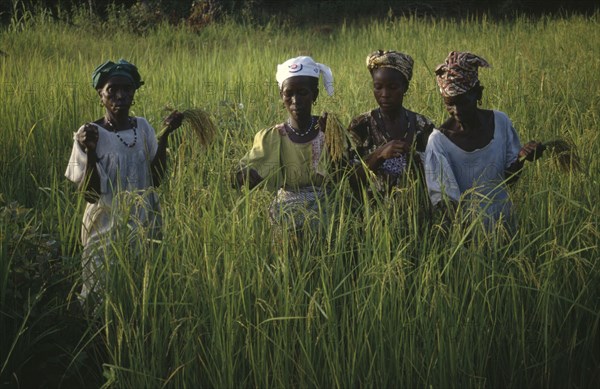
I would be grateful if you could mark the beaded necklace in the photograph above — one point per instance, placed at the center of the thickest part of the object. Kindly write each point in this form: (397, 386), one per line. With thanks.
(132, 125)
(297, 132)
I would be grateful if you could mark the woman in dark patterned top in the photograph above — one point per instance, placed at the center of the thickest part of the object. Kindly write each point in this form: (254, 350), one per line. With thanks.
(390, 140)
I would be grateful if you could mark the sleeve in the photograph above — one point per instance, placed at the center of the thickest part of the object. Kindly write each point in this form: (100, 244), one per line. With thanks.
(438, 174)
(513, 144)
(151, 142)
(264, 156)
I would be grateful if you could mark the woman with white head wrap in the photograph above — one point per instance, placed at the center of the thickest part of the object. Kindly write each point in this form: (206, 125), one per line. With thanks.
(475, 151)
(305, 66)
(292, 157)
(390, 139)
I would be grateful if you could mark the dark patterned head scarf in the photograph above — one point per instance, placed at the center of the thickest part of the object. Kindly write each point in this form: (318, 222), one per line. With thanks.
(110, 69)
(458, 73)
(391, 59)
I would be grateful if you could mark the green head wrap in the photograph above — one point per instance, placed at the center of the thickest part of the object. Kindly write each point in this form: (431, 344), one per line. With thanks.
(110, 69)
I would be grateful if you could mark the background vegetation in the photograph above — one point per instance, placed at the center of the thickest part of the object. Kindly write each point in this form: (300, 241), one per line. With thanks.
(379, 299)
(306, 11)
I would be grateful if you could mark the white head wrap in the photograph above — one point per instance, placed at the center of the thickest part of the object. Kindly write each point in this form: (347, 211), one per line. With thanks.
(305, 66)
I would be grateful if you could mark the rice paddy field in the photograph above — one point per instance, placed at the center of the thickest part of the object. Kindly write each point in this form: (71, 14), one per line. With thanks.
(378, 297)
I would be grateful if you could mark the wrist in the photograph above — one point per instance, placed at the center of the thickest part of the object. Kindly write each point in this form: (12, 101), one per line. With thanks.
(378, 160)
(520, 162)
(163, 139)
(375, 160)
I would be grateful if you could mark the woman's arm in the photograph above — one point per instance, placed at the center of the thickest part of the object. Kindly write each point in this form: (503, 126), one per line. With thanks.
(262, 163)
(249, 176)
(530, 152)
(373, 161)
(90, 185)
(159, 163)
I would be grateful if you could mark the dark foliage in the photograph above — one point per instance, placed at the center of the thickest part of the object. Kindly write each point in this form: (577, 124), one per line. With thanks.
(198, 12)
(41, 328)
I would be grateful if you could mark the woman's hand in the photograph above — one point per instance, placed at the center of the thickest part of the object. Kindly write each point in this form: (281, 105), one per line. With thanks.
(394, 149)
(531, 151)
(173, 121)
(249, 176)
(88, 137)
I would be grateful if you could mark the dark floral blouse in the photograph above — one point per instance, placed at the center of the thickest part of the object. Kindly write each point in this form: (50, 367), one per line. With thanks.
(368, 133)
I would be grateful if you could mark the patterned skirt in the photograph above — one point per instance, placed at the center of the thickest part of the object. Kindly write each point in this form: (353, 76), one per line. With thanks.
(295, 211)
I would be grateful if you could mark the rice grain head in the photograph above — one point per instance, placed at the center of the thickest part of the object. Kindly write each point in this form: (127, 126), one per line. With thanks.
(565, 154)
(201, 123)
(335, 137)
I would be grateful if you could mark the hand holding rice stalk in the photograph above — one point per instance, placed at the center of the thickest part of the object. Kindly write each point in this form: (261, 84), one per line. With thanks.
(335, 135)
(197, 119)
(563, 151)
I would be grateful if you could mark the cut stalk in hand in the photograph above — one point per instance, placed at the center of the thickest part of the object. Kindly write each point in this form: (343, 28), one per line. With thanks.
(563, 151)
(200, 122)
(335, 137)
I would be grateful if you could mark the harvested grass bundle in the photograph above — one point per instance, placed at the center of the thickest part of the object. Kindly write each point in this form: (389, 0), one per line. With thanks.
(335, 136)
(564, 152)
(200, 122)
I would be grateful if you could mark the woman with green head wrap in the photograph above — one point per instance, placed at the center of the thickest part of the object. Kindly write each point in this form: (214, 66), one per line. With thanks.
(117, 161)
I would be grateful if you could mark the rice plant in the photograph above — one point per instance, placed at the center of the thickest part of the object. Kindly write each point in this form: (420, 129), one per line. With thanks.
(381, 295)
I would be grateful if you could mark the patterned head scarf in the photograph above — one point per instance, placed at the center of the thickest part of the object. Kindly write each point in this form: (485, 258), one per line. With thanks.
(305, 66)
(110, 69)
(458, 73)
(391, 59)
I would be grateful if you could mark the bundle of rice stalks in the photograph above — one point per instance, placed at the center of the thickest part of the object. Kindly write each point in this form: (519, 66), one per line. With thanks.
(200, 122)
(335, 137)
(564, 152)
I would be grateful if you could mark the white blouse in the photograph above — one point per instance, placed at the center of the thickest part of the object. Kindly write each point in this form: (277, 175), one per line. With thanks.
(125, 180)
(476, 176)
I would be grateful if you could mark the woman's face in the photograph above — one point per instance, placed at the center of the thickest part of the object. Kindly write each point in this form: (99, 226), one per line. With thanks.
(464, 106)
(117, 95)
(389, 87)
(298, 95)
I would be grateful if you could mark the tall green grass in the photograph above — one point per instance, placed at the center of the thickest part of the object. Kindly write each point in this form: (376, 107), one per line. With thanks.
(380, 297)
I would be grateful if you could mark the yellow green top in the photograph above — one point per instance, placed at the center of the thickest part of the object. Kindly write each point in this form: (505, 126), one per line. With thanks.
(286, 164)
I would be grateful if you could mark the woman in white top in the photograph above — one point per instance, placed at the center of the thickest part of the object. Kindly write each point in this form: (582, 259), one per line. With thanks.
(475, 152)
(116, 161)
